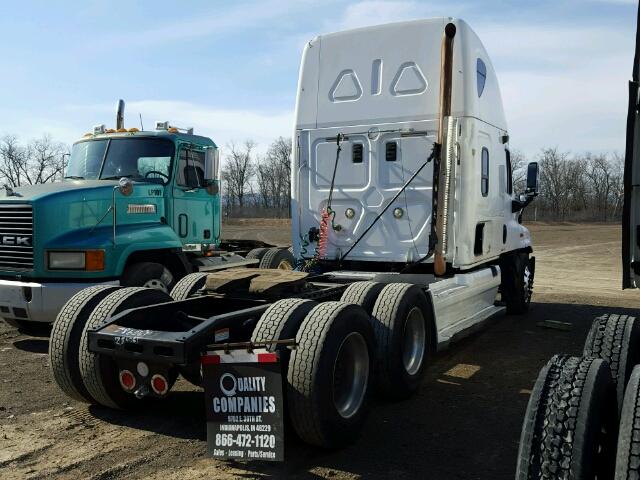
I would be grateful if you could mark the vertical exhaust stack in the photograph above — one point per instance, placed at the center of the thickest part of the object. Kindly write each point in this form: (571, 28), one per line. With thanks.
(446, 87)
(120, 115)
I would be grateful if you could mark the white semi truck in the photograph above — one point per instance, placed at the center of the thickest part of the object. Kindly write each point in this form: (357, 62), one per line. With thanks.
(406, 229)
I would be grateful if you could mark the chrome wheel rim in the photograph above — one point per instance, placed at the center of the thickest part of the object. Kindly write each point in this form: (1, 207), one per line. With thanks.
(413, 344)
(350, 375)
(156, 284)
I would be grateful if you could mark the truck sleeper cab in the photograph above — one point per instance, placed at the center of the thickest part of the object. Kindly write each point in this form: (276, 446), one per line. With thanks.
(383, 103)
(369, 305)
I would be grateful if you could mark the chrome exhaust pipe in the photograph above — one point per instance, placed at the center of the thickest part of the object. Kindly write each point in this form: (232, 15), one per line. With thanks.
(120, 115)
(446, 87)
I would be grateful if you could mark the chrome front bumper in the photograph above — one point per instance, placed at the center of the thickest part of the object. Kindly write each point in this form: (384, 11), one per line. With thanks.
(37, 302)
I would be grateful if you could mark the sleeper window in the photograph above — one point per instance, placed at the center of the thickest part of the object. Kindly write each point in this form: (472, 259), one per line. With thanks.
(484, 174)
(481, 71)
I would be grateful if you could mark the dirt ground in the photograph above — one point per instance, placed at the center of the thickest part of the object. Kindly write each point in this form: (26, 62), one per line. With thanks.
(464, 423)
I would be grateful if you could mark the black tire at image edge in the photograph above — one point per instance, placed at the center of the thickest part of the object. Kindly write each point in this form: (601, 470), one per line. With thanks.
(570, 424)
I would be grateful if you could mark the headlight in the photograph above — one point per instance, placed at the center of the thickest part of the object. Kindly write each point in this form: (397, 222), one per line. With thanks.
(91, 260)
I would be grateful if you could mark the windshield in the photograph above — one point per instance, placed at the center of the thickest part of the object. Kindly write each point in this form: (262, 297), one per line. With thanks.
(144, 159)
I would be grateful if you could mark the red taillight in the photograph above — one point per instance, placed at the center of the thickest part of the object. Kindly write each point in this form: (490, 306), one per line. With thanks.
(159, 384)
(127, 380)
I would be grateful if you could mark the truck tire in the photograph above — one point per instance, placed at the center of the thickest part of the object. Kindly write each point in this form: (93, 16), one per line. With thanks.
(329, 374)
(281, 321)
(256, 254)
(616, 339)
(100, 372)
(517, 271)
(65, 340)
(403, 329)
(364, 294)
(570, 425)
(280, 258)
(628, 456)
(148, 275)
(188, 285)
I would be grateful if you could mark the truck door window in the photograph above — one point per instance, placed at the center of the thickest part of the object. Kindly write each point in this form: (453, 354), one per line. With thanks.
(509, 172)
(484, 175)
(191, 169)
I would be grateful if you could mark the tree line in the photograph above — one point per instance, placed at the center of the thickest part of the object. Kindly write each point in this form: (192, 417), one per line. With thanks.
(257, 185)
(573, 187)
(582, 187)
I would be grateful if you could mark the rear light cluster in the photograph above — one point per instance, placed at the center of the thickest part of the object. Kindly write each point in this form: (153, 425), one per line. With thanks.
(128, 381)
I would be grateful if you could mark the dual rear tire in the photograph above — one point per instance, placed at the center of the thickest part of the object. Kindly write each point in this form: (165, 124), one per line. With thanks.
(81, 374)
(66, 335)
(376, 335)
(329, 374)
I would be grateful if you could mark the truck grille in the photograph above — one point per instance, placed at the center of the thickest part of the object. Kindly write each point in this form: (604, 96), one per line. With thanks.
(16, 237)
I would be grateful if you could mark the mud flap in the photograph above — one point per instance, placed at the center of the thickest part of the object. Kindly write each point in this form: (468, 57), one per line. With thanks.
(244, 405)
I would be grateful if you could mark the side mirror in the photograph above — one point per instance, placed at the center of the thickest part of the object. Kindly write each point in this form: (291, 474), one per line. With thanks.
(125, 186)
(532, 190)
(533, 179)
(211, 164)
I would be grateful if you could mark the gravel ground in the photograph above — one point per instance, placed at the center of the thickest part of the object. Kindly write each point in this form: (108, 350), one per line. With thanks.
(464, 423)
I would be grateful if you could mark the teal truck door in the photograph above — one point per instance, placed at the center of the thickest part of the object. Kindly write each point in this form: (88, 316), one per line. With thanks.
(193, 212)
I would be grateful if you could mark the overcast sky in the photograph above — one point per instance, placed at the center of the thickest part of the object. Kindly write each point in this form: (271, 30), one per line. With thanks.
(230, 68)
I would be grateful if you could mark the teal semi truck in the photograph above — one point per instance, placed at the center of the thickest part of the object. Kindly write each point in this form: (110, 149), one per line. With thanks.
(136, 208)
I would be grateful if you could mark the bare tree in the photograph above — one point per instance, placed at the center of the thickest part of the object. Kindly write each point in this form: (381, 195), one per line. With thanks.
(238, 171)
(274, 177)
(617, 183)
(554, 176)
(13, 157)
(40, 161)
(45, 161)
(279, 154)
(519, 171)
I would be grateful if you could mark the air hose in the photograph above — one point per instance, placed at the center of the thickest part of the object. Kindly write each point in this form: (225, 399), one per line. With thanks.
(327, 216)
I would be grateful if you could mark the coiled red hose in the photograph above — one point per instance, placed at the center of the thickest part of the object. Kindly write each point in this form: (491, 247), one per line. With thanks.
(325, 216)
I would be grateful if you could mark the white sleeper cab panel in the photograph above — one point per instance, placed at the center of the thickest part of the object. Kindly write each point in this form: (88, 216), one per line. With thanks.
(364, 185)
(379, 87)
